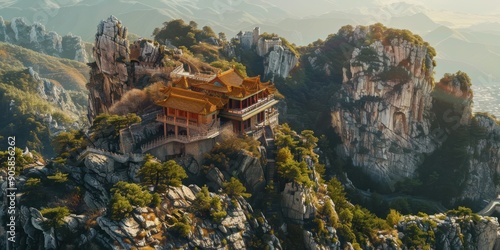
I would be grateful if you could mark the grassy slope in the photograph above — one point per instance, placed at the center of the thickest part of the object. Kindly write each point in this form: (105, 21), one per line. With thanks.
(71, 74)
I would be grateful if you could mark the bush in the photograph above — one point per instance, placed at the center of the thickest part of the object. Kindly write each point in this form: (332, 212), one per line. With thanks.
(393, 217)
(55, 216)
(202, 202)
(120, 207)
(126, 195)
(182, 228)
(69, 143)
(234, 188)
(292, 170)
(58, 177)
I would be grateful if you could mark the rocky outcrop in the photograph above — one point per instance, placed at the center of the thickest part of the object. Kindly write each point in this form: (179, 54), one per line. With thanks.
(120, 67)
(453, 232)
(72, 48)
(475, 135)
(101, 171)
(31, 220)
(311, 244)
(145, 226)
(108, 75)
(146, 51)
(111, 48)
(250, 171)
(54, 93)
(228, 50)
(279, 62)
(297, 202)
(245, 166)
(484, 163)
(382, 111)
(138, 230)
(35, 37)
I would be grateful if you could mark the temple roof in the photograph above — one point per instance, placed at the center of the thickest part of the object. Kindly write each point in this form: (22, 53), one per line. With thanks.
(230, 77)
(190, 101)
(229, 83)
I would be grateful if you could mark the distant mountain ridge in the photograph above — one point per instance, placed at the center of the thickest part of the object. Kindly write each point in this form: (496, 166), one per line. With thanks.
(36, 38)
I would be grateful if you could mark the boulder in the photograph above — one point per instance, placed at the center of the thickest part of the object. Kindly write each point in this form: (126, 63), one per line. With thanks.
(250, 171)
(293, 202)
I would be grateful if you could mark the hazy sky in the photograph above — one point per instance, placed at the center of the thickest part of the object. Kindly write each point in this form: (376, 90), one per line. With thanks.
(311, 7)
(467, 6)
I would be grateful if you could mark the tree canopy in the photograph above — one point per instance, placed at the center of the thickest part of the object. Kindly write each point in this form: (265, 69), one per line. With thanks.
(161, 174)
(126, 195)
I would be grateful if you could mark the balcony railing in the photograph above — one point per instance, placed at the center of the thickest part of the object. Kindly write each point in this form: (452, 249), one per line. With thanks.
(259, 103)
(183, 123)
(181, 138)
(255, 133)
(272, 118)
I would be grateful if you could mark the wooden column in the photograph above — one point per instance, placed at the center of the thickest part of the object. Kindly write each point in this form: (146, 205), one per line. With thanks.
(187, 123)
(165, 121)
(175, 122)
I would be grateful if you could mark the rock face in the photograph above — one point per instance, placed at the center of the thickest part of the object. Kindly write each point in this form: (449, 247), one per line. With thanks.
(279, 62)
(111, 48)
(392, 119)
(31, 220)
(119, 66)
(54, 93)
(108, 75)
(145, 225)
(35, 37)
(250, 171)
(101, 171)
(296, 202)
(454, 232)
(383, 109)
(246, 167)
(484, 163)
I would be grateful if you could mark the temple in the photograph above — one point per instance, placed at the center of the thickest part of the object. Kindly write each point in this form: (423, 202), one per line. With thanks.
(196, 107)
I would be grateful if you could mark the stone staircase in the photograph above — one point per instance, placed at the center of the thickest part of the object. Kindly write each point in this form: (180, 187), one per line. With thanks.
(271, 153)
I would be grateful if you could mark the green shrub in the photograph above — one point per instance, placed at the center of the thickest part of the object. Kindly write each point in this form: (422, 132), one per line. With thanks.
(58, 177)
(182, 228)
(234, 188)
(126, 195)
(393, 217)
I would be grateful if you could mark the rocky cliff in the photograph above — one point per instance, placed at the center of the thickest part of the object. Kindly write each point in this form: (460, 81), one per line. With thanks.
(469, 144)
(382, 111)
(483, 167)
(120, 66)
(396, 123)
(108, 75)
(35, 37)
(279, 62)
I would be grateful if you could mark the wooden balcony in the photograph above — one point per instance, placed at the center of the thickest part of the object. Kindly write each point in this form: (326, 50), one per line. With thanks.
(245, 113)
